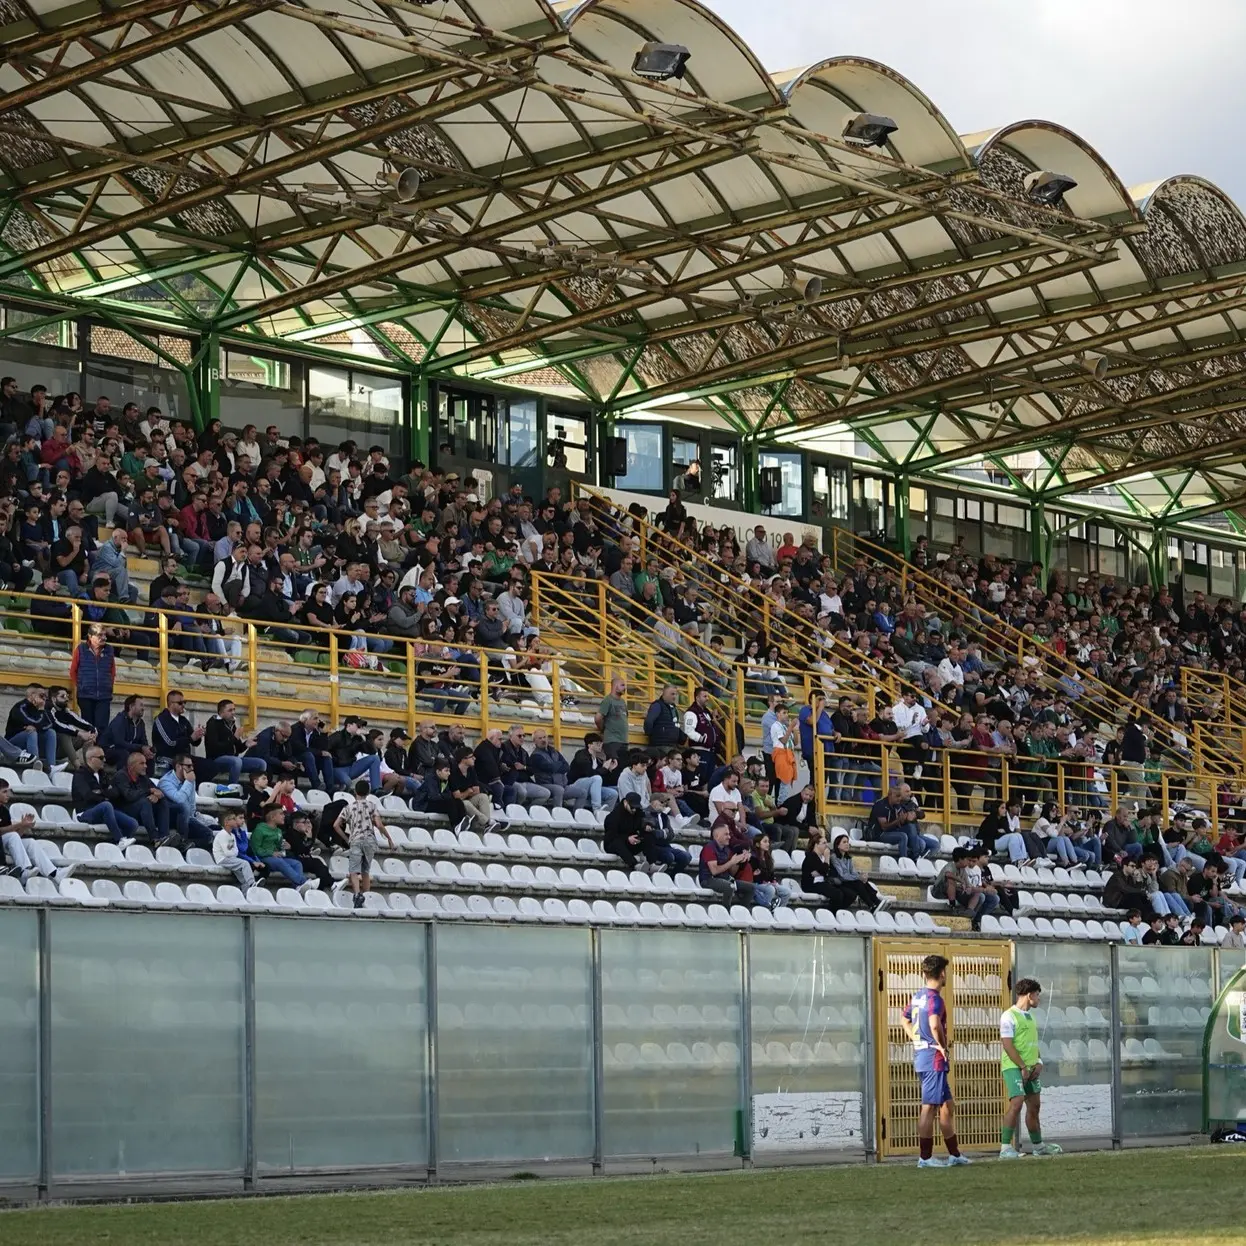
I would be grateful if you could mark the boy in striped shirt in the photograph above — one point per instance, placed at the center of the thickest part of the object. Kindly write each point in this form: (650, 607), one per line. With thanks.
(1022, 1067)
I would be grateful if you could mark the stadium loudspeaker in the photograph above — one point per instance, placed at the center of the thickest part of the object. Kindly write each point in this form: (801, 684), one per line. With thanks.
(616, 456)
(771, 486)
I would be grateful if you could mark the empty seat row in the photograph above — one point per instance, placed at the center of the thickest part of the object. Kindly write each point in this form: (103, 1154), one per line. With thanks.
(1058, 902)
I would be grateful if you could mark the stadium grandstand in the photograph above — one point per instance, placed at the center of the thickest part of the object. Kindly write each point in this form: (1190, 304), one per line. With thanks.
(544, 560)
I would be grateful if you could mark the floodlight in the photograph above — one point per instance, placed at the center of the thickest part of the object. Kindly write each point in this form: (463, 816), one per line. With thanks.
(661, 61)
(869, 130)
(1048, 188)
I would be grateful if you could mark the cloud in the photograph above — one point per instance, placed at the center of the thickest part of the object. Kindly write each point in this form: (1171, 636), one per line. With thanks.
(1154, 87)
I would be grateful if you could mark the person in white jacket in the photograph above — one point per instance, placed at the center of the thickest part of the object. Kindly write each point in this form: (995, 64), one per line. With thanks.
(226, 850)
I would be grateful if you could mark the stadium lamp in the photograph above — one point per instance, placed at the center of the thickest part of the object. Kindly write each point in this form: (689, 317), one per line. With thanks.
(661, 61)
(404, 184)
(867, 129)
(1048, 188)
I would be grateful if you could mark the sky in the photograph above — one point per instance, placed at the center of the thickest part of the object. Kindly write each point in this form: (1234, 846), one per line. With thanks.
(1154, 86)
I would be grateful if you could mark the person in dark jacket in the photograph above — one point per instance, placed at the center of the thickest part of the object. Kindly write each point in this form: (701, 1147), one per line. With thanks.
(624, 830)
(1126, 889)
(30, 726)
(309, 746)
(270, 752)
(133, 793)
(798, 816)
(434, 796)
(173, 733)
(223, 747)
(592, 761)
(850, 880)
(818, 875)
(271, 611)
(657, 840)
(517, 771)
(89, 795)
(662, 725)
(350, 760)
(425, 751)
(92, 670)
(126, 734)
(489, 769)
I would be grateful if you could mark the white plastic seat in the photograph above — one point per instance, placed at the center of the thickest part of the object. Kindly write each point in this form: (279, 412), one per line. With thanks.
(453, 906)
(107, 853)
(201, 895)
(673, 914)
(529, 910)
(141, 893)
(479, 907)
(419, 871)
(637, 881)
(569, 879)
(561, 816)
(584, 818)
(554, 911)
(626, 913)
(803, 918)
(695, 915)
(74, 850)
(538, 815)
(446, 872)
(400, 904)
(171, 858)
(740, 917)
(546, 878)
(445, 841)
(505, 909)
(289, 899)
(497, 875)
(76, 890)
(102, 888)
(518, 846)
(261, 898)
(140, 855)
(427, 905)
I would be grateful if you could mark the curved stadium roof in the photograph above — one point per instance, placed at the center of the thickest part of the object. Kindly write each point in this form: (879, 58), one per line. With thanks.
(218, 164)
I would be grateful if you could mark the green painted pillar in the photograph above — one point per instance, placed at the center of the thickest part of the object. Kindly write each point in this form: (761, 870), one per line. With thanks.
(903, 535)
(1040, 537)
(421, 422)
(205, 381)
(1159, 556)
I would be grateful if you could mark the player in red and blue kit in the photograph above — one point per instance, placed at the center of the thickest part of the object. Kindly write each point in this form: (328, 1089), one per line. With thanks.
(925, 1022)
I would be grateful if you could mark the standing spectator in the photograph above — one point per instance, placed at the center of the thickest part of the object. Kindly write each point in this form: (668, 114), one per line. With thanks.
(92, 671)
(720, 865)
(1235, 940)
(815, 723)
(223, 746)
(359, 821)
(268, 841)
(662, 728)
(611, 719)
(91, 803)
(27, 856)
(231, 848)
(30, 727)
(702, 731)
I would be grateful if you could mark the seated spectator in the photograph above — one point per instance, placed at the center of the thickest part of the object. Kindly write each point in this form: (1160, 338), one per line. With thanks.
(223, 746)
(727, 802)
(1134, 930)
(350, 760)
(819, 877)
(465, 787)
(30, 728)
(769, 890)
(517, 771)
(135, 795)
(592, 762)
(434, 796)
(309, 747)
(271, 751)
(178, 786)
(126, 734)
(73, 732)
(268, 843)
(231, 848)
(634, 780)
(25, 855)
(798, 816)
(721, 867)
(974, 891)
(657, 841)
(894, 820)
(624, 830)
(90, 798)
(360, 822)
(1235, 940)
(855, 883)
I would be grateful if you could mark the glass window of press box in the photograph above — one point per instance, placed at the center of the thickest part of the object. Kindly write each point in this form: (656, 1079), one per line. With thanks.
(789, 501)
(358, 406)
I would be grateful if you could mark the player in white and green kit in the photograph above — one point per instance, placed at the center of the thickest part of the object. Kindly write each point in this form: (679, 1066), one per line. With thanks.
(1022, 1067)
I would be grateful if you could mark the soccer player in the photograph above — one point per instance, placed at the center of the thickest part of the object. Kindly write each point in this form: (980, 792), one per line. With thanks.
(1022, 1068)
(925, 1022)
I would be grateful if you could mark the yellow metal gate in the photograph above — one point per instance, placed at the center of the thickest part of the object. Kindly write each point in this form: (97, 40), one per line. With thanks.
(979, 988)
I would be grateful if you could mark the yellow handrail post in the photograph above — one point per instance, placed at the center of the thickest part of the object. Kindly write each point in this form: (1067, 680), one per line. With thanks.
(335, 679)
(410, 683)
(949, 803)
(739, 695)
(162, 636)
(651, 677)
(555, 680)
(603, 630)
(819, 778)
(1004, 785)
(1060, 784)
(253, 673)
(483, 692)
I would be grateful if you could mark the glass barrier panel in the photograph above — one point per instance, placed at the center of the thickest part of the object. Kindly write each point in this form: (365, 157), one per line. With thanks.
(340, 1045)
(1165, 997)
(147, 1044)
(671, 1036)
(1074, 1024)
(19, 1040)
(809, 1016)
(514, 1044)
